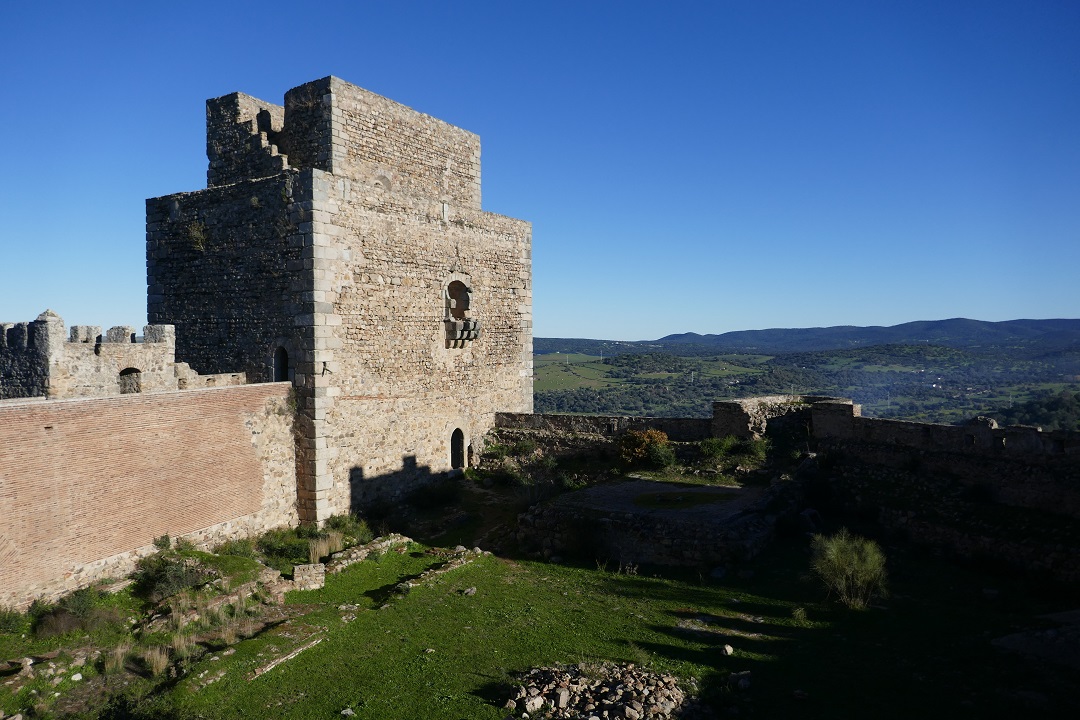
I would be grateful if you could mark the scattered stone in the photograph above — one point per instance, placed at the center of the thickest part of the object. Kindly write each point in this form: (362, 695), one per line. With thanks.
(602, 691)
(348, 712)
(469, 591)
(728, 650)
(76, 677)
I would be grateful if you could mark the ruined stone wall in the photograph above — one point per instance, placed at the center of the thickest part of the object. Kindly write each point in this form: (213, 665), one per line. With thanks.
(677, 429)
(241, 136)
(981, 437)
(750, 417)
(86, 485)
(222, 267)
(24, 360)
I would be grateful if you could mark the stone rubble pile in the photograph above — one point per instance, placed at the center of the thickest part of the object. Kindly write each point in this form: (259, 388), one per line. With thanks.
(601, 691)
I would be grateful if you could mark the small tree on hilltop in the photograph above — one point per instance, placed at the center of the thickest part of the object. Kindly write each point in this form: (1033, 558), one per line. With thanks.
(852, 567)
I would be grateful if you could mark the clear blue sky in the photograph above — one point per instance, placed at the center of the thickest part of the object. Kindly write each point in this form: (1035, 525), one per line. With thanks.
(687, 166)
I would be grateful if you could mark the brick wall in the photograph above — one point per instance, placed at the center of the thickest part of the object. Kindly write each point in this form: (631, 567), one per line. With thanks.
(86, 485)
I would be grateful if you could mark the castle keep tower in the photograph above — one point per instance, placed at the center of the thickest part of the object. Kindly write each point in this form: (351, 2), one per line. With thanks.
(340, 244)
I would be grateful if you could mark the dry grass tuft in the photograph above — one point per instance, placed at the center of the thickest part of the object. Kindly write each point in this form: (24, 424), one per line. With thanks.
(320, 547)
(156, 659)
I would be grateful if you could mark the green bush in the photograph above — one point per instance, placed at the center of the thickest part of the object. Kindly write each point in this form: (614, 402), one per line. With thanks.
(284, 548)
(12, 621)
(165, 574)
(660, 455)
(351, 526)
(852, 567)
(757, 449)
(525, 446)
(650, 448)
(717, 448)
(496, 451)
(81, 603)
(237, 548)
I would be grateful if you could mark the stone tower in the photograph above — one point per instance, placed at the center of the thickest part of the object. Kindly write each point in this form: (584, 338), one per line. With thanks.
(340, 245)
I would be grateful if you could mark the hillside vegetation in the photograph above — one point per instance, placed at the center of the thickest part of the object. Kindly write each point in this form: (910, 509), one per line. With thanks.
(962, 373)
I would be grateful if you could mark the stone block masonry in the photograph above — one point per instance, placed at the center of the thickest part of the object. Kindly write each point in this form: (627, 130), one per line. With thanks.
(86, 485)
(341, 245)
(338, 255)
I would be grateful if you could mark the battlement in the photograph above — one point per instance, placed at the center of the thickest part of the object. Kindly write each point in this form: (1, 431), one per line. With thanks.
(37, 359)
(337, 127)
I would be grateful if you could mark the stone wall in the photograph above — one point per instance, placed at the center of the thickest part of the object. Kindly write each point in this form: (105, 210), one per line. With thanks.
(36, 360)
(403, 309)
(981, 437)
(86, 485)
(677, 429)
(24, 360)
(750, 417)
(221, 267)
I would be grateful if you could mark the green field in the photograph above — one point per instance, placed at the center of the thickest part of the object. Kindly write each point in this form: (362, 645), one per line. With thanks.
(923, 383)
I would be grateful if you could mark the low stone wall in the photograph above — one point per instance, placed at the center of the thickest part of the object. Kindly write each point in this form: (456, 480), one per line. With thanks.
(561, 529)
(969, 520)
(677, 429)
(86, 485)
(555, 531)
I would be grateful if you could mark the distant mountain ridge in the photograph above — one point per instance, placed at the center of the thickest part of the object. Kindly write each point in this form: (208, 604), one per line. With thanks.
(1026, 336)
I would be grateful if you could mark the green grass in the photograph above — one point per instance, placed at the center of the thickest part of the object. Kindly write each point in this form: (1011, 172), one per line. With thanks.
(437, 652)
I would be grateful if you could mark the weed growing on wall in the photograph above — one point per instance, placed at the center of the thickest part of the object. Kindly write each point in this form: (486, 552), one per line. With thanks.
(198, 236)
(852, 567)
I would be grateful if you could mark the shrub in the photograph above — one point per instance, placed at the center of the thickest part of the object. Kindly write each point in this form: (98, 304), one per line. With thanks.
(660, 455)
(496, 451)
(163, 575)
(237, 548)
(645, 447)
(717, 448)
(352, 526)
(163, 543)
(12, 621)
(81, 603)
(757, 449)
(57, 621)
(525, 446)
(850, 566)
(284, 547)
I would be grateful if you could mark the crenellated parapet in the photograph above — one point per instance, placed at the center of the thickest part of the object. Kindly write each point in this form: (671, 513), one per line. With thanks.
(38, 359)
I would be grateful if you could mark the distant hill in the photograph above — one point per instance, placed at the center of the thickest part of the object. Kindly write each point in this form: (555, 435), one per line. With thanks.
(1026, 337)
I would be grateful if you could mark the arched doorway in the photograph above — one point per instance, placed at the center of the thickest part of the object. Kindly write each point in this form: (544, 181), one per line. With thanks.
(281, 365)
(457, 449)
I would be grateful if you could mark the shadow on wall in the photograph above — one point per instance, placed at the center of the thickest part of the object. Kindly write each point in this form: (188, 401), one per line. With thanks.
(364, 492)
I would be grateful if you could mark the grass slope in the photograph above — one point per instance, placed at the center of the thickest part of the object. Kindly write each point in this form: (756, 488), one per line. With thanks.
(440, 652)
